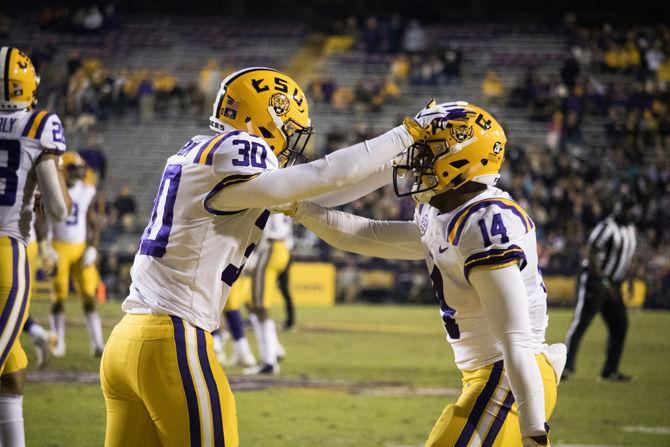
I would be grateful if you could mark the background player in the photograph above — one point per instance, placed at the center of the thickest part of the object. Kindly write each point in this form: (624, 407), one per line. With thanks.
(208, 217)
(75, 241)
(31, 142)
(273, 257)
(479, 246)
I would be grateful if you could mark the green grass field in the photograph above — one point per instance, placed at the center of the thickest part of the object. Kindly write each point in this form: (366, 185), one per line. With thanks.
(384, 373)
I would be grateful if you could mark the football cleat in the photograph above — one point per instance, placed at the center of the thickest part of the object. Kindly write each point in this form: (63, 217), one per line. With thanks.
(465, 143)
(615, 376)
(18, 80)
(267, 103)
(262, 369)
(44, 345)
(59, 350)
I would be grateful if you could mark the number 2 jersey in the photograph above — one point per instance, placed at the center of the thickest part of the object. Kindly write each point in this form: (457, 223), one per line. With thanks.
(190, 254)
(24, 136)
(489, 231)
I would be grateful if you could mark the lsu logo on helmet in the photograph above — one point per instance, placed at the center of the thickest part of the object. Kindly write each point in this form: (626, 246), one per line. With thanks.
(19, 80)
(466, 145)
(267, 103)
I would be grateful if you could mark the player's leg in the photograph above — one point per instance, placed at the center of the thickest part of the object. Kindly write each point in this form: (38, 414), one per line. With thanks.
(504, 430)
(614, 314)
(242, 355)
(458, 422)
(14, 298)
(66, 257)
(87, 279)
(128, 419)
(186, 390)
(289, 323)
(260, 322)
(588, 304)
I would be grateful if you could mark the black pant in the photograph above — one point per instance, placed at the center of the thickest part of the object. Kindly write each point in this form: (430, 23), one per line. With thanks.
(283, 287)
(591, 299)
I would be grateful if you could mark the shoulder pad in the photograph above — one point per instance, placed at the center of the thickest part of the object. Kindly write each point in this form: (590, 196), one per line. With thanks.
(46, 127)
(488, 222)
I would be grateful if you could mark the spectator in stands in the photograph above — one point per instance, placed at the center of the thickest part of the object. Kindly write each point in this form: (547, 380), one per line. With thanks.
(74, 62)
(94, 156)
(146, 97)
(371, 36)
(451, 60)
(414, 39)
(210, 79)
(125, 206)
(493, 88)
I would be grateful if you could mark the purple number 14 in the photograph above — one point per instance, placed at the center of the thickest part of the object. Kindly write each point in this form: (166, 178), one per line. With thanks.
(497, 229)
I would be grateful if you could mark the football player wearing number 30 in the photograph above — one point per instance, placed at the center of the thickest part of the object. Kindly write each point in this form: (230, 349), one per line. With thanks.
(479, 246)
(31, 143)
(160, 377)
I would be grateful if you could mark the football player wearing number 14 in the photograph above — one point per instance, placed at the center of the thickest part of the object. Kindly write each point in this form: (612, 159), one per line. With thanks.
(479, 246)
(159, 374)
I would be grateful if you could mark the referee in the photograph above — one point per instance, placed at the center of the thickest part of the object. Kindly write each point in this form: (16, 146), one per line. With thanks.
(610, 250)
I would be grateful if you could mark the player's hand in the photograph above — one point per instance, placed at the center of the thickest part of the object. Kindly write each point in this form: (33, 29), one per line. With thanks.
(289, 209)
(48, 258)
(38, 207)
(431, 116)
(536, 441)
(89, 257)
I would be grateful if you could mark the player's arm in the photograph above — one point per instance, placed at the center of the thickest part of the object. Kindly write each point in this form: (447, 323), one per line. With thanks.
(92, 235)
(336, 170)
(339, 169)
(503, 296)
(378, 179)
(55, 201)
(367, 237)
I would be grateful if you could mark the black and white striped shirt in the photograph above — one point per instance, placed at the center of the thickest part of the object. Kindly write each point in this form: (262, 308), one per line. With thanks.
(614, 245)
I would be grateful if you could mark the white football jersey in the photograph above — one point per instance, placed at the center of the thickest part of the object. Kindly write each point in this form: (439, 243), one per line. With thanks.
(279, 228)
(489, 230)
(190, 253)
(24, 136)
(73, 229)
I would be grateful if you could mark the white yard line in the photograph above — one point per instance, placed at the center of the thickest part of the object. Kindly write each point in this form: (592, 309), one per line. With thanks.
(647, 430)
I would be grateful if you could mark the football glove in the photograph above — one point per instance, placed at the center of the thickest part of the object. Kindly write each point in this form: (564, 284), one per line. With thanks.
(48, 257)
(89, 256)
(288, 209)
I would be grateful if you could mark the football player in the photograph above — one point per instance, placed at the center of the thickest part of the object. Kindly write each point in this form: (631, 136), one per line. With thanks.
(75, 241)
(272, 260)
(31, 142)
(161, 381)
(479, 246)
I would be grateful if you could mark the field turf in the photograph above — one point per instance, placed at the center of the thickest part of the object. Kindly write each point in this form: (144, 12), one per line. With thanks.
(360, 375)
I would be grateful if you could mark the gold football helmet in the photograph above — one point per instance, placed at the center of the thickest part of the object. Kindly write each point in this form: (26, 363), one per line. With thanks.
(19, 81)
(74, 167)
(468, 144)
(267, 103)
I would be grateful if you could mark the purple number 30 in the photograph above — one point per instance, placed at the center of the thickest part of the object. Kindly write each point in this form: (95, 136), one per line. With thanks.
(155, 237)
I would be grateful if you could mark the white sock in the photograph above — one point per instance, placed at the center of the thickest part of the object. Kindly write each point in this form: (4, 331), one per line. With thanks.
(57, 322)
(217, 342)
(11, 421)
(37, 333)
(269, 336)
(241, 347)
(260, 339)
(94, 327)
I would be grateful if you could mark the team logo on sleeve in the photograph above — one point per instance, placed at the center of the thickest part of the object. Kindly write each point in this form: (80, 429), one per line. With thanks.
(280, 103)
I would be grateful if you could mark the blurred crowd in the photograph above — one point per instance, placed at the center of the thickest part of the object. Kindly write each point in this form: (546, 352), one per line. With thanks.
(615, 79)
(401, 45)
